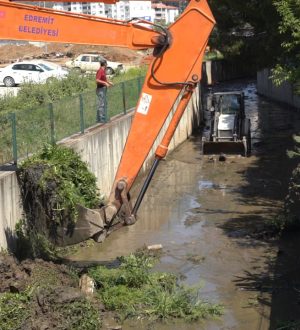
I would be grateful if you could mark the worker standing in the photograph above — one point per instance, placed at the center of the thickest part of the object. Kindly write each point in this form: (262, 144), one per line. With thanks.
(102, 84)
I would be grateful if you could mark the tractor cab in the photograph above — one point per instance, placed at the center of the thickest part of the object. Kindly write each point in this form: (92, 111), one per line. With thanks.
(227, 129)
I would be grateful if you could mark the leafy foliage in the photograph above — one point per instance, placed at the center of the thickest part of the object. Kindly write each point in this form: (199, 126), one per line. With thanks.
(289, 27)
(132, 290)
(261, 34)
(246, 32)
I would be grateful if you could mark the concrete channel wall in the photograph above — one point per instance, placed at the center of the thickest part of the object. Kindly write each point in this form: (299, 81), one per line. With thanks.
(221, 70)
(101, 147)
(283, 93)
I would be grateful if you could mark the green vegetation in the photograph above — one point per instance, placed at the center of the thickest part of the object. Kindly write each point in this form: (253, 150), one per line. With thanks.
(17, 310)
(288, 67)
(260, 34)
(288, 325)
(79, 315)
(213, 55)
(289, 219)
(32, 95)
(14, 309)
(49, 113)
(53, 182)
(46, 295)
(67, 174)
(130, 74)
(132, 290)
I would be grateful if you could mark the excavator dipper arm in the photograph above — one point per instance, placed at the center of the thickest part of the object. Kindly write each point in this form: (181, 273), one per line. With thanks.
(171, 78)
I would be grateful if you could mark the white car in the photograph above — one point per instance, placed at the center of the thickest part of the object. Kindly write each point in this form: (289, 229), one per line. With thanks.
(91, 62)
(30, 71)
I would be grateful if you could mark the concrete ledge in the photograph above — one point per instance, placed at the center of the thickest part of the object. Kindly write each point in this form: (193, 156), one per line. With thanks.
(101, 147)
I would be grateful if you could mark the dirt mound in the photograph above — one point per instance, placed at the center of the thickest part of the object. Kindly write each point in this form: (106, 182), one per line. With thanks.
(62, 52)
(16, 276)
(36, 295)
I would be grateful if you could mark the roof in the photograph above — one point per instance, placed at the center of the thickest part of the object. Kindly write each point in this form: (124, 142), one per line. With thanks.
(162, 6)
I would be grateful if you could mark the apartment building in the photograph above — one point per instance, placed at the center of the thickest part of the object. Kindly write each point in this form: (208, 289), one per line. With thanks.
(164, 14)
(124, 10)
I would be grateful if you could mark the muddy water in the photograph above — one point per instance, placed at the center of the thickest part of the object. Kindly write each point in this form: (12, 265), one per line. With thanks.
(209, 216)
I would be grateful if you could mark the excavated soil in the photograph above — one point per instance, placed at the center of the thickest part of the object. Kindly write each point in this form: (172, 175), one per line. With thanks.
(60, 53)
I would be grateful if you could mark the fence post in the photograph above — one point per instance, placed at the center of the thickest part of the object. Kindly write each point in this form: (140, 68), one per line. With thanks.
(14, 137)
(81, 114)
(52, 127)
(123, 97)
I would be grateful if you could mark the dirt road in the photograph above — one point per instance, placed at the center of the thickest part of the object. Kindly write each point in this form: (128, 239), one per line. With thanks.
(211, 217)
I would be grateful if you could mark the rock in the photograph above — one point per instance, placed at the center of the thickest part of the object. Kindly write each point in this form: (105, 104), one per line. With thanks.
(222, 157)
(67, 295)
(87, 285)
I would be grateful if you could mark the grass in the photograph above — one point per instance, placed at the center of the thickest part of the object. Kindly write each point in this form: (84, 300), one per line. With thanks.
(47, 113)
(14, 310)
(134, 291)
(17, 311)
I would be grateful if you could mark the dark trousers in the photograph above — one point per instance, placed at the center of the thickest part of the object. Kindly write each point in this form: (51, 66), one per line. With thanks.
(101, 105)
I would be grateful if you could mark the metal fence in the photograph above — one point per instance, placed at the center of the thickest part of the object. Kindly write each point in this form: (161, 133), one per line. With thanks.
(25, 132)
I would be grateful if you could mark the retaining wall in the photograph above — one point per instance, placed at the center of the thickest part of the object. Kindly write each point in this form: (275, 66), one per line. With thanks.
(283, 93)
(221, 70)
(101, 147)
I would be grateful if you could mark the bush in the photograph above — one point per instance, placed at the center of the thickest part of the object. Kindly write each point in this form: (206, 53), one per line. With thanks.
(33, 95)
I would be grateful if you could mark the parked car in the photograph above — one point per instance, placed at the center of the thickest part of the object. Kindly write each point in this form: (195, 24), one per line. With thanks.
(36, 71)
(90, 62)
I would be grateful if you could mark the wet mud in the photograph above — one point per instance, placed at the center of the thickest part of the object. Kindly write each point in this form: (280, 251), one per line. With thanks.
(212, 219)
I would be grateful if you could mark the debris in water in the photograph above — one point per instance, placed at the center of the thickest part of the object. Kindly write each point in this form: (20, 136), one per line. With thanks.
(222, 157)
(154, 247)
(87, 285)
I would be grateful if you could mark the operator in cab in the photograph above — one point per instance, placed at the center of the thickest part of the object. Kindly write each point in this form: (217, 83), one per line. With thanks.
(102, 84)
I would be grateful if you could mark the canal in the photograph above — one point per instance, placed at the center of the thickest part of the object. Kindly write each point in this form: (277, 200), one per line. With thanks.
(211, 217)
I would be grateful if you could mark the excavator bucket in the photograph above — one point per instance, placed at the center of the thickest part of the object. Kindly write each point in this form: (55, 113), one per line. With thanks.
(90, 223)
(226, 147)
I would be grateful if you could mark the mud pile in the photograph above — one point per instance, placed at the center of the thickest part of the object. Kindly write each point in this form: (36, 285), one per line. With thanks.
(42, 295)
(62, 52)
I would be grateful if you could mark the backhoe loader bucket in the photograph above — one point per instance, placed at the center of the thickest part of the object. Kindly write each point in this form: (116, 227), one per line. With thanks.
(226, 147)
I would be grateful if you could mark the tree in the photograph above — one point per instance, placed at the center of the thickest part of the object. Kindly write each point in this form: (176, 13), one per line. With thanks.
(247, 31)
(288, 66)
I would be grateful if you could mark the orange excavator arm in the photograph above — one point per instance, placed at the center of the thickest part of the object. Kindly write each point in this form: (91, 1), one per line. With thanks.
(171, 77)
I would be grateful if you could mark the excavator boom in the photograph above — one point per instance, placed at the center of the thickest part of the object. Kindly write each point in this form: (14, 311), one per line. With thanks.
(171, 78)
(26, 22)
